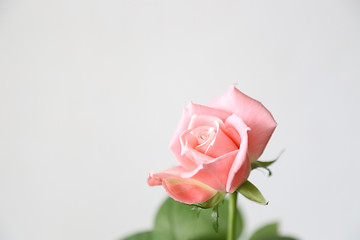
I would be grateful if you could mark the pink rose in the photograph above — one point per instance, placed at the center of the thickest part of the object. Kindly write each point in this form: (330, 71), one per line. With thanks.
(215, 145)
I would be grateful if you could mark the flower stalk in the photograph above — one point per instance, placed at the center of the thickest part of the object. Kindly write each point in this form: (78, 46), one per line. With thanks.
(232, 216)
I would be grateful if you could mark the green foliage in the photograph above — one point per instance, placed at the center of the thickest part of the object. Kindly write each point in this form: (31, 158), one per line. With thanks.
(178, 221)
(269, 232)
(248, 190)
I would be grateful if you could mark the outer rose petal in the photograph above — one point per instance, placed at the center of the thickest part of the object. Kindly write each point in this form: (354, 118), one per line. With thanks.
(195, 109)
(240, 168)
(254, 114)
(205, 120)
(175, 145)
(189, 191)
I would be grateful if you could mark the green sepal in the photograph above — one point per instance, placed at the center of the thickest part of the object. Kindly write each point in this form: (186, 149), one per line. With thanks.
(248, 190)
(214, 201)
(197, 210)
(215, 218)
(265, 165)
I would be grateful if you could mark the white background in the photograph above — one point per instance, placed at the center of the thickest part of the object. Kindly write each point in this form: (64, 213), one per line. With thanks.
(91, 92)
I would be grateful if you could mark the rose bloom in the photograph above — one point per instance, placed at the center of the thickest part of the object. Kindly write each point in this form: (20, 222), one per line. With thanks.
(215, 145)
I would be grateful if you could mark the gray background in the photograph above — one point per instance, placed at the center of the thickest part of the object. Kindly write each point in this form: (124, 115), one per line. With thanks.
(91, 92)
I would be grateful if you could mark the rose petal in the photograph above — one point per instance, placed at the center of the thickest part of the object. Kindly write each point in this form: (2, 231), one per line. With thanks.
(188, 143)
(221, 143)
(240, 168)
(195, 109)
(215, 172)
(189, 191)
(254, 114)
(234, 135)
(205, 120)
(175, 145)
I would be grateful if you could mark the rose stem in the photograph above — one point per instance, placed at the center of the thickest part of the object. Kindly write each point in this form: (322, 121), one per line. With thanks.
(232, 216)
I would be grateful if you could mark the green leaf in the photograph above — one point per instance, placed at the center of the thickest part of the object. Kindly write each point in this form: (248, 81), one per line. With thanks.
(178, 221)
(266, 232)
(248, 190)
(269, 232)
(140, 236)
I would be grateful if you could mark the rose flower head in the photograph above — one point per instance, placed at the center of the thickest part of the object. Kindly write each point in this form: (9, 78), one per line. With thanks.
(215, 145)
